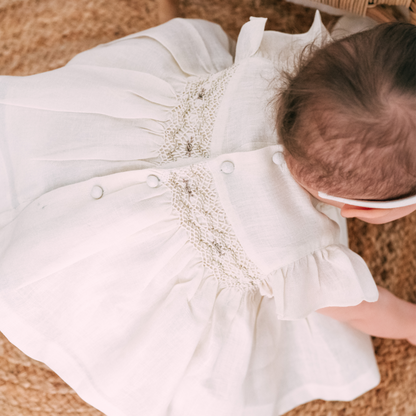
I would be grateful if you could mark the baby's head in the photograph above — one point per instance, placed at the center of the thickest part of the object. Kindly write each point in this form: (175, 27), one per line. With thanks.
(347, 116)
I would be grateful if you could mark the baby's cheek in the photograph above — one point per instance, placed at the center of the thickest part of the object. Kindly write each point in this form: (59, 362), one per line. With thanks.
(393, 215)
(401, 212)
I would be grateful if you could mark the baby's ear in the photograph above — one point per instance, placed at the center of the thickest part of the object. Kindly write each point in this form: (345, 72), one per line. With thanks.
(352, 211)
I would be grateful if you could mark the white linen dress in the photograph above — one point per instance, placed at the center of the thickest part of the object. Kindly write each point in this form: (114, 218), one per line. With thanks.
(155, 251)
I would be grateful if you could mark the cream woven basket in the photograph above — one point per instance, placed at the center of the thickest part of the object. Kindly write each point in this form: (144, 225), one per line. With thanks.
(363, 7)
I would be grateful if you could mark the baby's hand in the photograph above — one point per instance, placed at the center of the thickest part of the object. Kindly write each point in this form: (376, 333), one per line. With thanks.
(412, 340)
(388, 317)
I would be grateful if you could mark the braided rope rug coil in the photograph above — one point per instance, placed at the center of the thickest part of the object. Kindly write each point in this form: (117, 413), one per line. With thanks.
(42, 35)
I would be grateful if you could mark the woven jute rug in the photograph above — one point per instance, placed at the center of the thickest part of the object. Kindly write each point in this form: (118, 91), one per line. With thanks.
(41, 35)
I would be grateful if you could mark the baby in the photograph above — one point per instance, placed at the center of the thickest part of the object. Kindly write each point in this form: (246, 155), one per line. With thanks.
(347, 119)
(172, 261)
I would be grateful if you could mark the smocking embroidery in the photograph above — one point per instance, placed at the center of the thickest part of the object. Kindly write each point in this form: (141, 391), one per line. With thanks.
(195, 200)
(190, 124)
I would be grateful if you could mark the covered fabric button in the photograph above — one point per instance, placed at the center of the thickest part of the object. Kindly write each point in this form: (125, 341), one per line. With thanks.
(227, 167)
(97, 192)
(278, 158)
(152, 181)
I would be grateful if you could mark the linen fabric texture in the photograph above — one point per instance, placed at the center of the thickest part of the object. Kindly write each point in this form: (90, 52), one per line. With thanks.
(193, 293)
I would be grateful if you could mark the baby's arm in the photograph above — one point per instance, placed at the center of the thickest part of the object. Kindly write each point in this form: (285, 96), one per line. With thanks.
(389, 317)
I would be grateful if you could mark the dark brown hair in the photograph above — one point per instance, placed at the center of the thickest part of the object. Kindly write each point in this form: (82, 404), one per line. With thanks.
(347, 115)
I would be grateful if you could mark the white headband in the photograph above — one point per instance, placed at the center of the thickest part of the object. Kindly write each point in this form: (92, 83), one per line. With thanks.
(403, 202)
